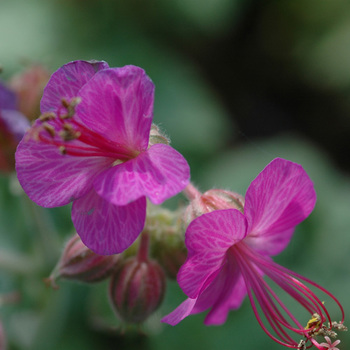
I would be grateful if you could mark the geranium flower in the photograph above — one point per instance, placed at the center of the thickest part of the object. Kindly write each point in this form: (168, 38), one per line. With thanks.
(13, 125)
(91, 147)
(229, 253)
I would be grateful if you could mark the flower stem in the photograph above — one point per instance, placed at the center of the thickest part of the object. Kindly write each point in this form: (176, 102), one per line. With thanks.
(142, 254)
(191, 192)
(47, 235)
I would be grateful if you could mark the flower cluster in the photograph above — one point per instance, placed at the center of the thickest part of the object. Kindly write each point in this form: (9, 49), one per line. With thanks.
(95, 145)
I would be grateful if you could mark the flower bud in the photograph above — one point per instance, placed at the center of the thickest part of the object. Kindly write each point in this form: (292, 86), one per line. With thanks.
(137, 288)
(167, 238)
(171, 253)
(81, 264)
(215, 199)
(157, 137)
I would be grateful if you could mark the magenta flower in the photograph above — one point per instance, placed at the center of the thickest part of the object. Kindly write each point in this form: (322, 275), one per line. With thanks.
(91, 147)
(229, 253)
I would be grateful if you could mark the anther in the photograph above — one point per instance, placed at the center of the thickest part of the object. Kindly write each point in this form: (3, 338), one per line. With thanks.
(68, 133)
(302, 345)
(65, 103)
(62, 150)
(75, 101)
(47, 116)
(50, 129)
(70, 107)
(68, 127)
(315, 321)
(65, 116)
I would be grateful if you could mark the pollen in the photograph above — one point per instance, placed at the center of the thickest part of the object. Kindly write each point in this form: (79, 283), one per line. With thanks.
(47, 116)
(315, 321)
(50, 129)
(62, 150)
(70, 107)
(68, 132)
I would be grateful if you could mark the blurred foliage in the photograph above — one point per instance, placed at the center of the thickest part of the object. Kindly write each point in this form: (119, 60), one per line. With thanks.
(238, 83)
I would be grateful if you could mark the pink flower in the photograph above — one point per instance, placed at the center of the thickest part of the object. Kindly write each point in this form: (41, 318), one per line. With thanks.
(329, 345)
(229, 252)
(91, 147)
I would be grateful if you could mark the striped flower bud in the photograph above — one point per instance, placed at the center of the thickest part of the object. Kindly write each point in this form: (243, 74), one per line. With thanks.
(81, 264)
(137, 287)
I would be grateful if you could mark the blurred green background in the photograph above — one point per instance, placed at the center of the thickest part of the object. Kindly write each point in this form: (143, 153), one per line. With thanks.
(238, 83)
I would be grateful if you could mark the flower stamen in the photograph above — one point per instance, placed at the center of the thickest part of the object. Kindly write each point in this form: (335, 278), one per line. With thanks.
(278, 317)
(72, 138)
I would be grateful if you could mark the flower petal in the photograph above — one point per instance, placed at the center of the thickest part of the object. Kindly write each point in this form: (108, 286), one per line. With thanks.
(67, 81)
(159, 173)
(280, 197)
(226, 293)
(16, 123)
(51, 179)
(106, 228)
(124, 97)
(182, 311)
(7, 98)
(208, 238)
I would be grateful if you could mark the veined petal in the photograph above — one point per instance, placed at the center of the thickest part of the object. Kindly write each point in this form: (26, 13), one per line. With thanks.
(279, 198)
(225, 293)
(124, 97)
(106, 228)
(67, 81)
(159, 173)
(182, 311)
(51, 179)
(208, 238)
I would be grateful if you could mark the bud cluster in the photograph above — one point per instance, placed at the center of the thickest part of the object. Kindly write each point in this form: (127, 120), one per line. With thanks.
(137, 277)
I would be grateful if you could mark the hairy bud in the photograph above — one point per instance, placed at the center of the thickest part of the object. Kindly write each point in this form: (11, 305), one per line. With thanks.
(137, 287)
(81, 264)
(211, 200)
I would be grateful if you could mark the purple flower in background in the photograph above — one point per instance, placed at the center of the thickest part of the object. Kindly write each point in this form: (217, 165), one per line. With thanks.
(91, 147)
(13, 125)
(229, 253)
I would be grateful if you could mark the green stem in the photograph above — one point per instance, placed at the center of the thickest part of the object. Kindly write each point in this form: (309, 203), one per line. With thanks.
(142, 254)
(44, 228)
